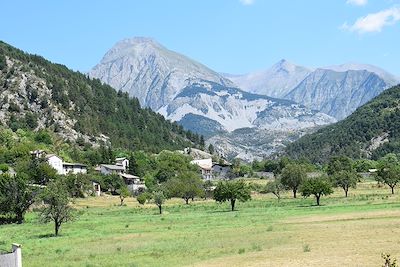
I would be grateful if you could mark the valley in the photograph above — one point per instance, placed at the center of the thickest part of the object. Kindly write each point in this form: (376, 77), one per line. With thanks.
(200, 133)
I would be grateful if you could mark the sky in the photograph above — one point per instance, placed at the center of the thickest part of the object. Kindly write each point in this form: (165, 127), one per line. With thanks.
(232, 36)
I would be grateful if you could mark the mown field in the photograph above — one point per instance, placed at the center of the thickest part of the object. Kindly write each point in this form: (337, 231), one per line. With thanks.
(262, 232)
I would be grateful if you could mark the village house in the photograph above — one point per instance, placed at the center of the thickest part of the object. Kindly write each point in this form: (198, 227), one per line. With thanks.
(124, 162)
(55, 162)
(107, 169)
(134, 183)
(205, 168)
(62, 168)
(74, 168)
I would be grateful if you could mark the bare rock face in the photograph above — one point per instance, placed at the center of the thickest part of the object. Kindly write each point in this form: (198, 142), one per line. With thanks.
(338, 93)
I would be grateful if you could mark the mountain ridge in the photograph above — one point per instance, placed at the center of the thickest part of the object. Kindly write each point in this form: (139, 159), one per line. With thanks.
(37, 94)
(304, 94)
(175, 85)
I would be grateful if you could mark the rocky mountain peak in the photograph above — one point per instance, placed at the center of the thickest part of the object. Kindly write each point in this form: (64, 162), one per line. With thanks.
(152, 73)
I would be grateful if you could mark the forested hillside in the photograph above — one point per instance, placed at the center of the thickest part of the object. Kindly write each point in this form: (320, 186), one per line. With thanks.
(372, 131)
(37, 94)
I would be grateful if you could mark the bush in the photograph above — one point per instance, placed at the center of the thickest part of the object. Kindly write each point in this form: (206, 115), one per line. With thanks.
(306, 248)
(43, 137)
(4, 167)
(142, 198)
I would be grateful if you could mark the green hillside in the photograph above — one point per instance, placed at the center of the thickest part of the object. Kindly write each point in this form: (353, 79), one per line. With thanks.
(372, 131)
(37, 94)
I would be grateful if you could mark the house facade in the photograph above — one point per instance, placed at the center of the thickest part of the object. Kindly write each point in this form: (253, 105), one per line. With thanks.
(74, 168)
(205, 166)
(56, 163)
(62, 168)
(134, 183)
(124, 162)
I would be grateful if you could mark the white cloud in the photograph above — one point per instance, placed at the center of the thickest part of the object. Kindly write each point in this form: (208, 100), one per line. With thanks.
(357, 2)
(374, 22)
(247, 2)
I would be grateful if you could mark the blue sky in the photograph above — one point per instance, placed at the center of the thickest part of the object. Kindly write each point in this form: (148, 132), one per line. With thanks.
(234, 36)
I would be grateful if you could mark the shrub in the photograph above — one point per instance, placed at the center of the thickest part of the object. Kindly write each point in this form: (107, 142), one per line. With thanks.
(142, 198)
(306, 248)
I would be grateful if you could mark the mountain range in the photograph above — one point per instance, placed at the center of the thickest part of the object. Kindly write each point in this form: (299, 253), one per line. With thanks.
(190, 93)
(281, 103)
(334, 90)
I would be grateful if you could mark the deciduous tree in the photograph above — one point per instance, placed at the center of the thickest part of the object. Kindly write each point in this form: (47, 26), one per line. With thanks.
(123, 193)
(57, 207)
(232, 191)
(389, 171)
(318, 186)
(16, 196)
(292, 176)
(345, 180)
(337, 164)
(186, 185)
(159, 199)
(275, 187)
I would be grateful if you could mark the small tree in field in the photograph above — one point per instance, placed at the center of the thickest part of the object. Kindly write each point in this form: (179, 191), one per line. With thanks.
(123, 193)
(113, 182)
(159, 199)
(345, 180)
(143, 197)
(232, 191)
(389, 171)
(340, 163)
(319, 186)
(57, 208)
(275, 187)
(187, 185)
(207, 187)
(292, 176)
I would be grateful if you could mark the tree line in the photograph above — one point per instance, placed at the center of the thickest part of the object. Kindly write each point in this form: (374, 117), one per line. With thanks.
(340, 172)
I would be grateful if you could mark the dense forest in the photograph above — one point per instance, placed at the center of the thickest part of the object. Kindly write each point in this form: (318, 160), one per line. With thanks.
(95, 108)
(372, 131)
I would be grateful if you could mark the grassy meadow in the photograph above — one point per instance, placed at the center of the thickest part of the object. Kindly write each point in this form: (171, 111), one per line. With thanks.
(262, 232)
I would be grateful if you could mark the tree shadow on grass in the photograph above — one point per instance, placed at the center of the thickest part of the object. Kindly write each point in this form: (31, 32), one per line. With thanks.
(221, 211)
(310, 206)
(47, 235)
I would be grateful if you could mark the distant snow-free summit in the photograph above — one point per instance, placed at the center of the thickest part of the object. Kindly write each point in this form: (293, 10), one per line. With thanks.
(335, 90)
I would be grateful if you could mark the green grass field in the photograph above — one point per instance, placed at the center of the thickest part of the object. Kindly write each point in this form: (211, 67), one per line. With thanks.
(262, 232)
